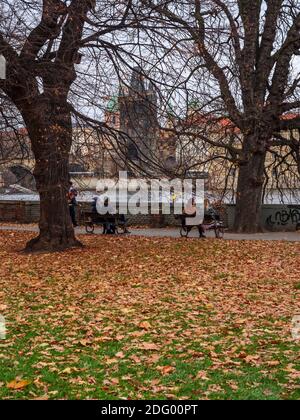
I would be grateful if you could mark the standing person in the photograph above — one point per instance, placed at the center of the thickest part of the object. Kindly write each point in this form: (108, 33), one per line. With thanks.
(72, 194)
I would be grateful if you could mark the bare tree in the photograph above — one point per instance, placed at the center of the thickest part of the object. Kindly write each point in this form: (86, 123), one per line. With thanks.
(236, 57)
(240, 59)
(44, 43)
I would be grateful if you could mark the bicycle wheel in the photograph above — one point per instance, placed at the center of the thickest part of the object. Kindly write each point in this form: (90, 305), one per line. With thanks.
(184, 233)
(90, 228)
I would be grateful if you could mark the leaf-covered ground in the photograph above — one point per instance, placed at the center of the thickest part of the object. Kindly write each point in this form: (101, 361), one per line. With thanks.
(150, 319)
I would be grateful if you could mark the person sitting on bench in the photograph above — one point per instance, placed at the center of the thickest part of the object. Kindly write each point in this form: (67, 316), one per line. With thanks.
(190, 211)
(123, 223)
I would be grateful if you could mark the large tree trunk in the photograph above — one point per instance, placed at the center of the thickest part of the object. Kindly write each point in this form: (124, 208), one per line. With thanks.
(249, 190)
(50, 132)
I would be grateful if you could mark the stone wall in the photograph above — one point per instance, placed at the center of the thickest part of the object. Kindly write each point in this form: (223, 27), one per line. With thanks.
(274, 217)
(29, 212)
(19, 211)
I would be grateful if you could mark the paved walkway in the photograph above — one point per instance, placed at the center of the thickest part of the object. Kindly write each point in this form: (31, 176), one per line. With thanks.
(174, 233)
(269, 236)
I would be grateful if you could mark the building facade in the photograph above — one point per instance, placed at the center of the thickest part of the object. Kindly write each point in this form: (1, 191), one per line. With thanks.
(137, 143)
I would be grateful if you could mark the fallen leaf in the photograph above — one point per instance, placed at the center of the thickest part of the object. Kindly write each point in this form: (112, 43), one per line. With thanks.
(154, 358)
(115, 381)
(67, 371)
(149, 346)
(273, 363)
(18, 384)
(145, 325)
(165, 370)
(202, 375)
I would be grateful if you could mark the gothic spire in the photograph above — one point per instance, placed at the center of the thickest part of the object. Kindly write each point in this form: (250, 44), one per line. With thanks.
(137, 80)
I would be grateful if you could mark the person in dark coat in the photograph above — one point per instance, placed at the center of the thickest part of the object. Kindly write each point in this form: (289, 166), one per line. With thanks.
(72, 194)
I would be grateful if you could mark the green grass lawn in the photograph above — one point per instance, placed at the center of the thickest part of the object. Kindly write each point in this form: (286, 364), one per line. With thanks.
(150, 319)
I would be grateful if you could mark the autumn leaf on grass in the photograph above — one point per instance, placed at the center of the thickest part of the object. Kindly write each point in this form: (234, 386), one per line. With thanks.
(42, 398)
(273, 363)
(202, 375)
(242, 355)
(84, 343)
(120, 355)
(154, 358)
(252, 360)
(155, 382)
(126, 311)
(145, 325)
(69, 370)
(112, 381)
(149, 346)
(18, 384)
(240, 321)
(119, 337)
(111, 361)
(137, 334)
(233, 385)
(165, 370)
(135, 359)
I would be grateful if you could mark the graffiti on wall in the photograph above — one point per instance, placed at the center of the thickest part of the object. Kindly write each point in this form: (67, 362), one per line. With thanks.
(284, 218)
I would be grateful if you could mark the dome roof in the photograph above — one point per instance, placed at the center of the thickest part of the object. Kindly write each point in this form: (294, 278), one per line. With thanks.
(113, 104)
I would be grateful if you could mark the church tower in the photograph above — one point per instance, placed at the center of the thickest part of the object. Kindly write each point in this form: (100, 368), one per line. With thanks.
(139, 120)
(134, 112)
